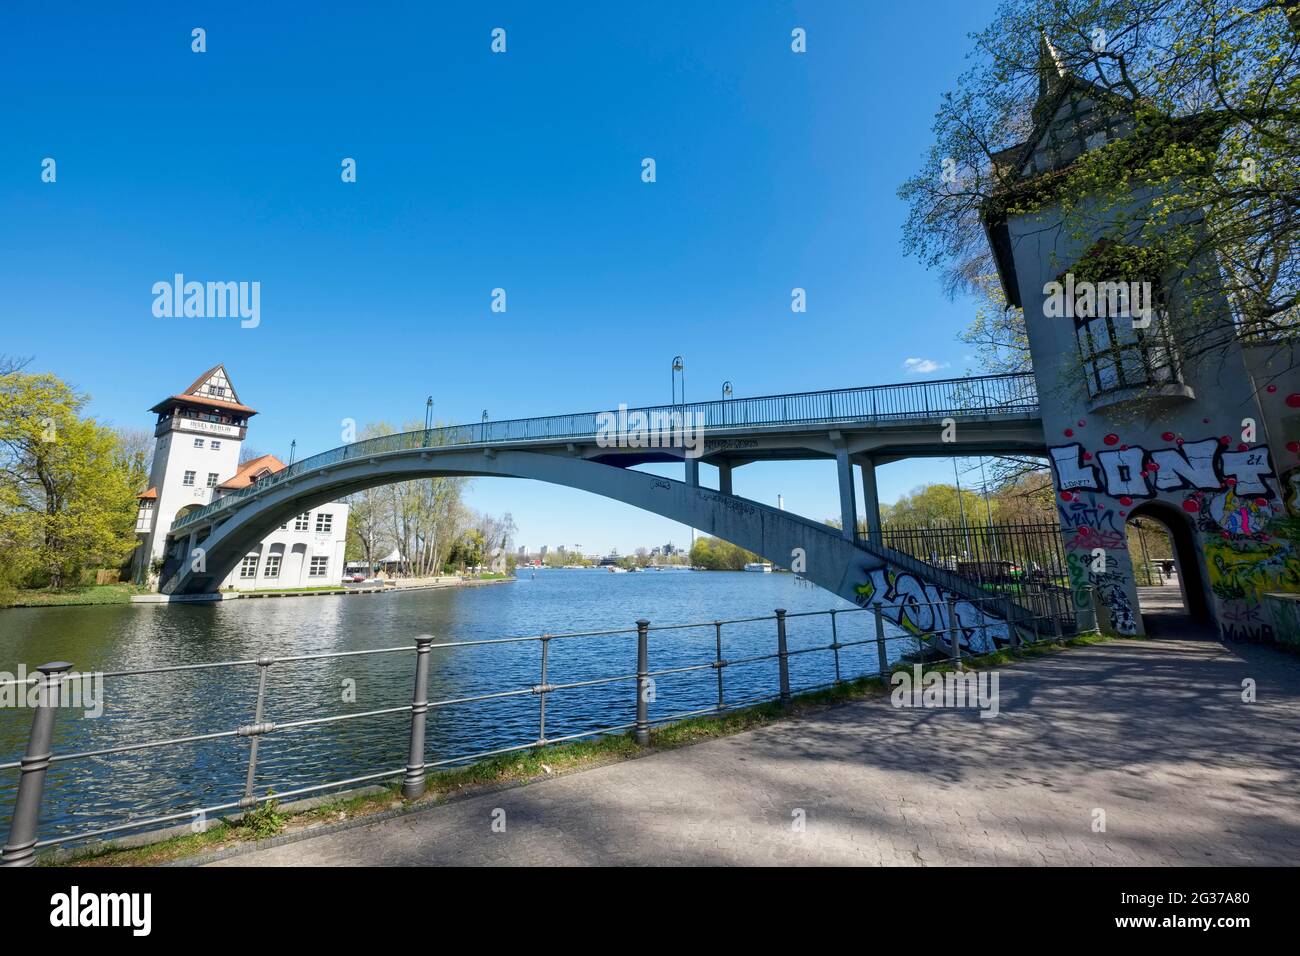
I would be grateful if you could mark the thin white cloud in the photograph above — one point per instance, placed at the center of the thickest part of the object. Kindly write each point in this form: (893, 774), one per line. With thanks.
(923, 366)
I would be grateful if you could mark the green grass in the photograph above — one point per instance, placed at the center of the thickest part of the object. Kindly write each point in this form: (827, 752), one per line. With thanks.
(269, 819)
(91, 594)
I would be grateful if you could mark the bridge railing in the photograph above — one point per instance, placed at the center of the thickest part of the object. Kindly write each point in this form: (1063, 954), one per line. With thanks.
(958, 397)
(937, 624)
(1022, 561)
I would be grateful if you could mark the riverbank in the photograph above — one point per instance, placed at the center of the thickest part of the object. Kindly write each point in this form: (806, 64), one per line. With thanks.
(347, 590)
(134, 594)
(271, 825)
(71, 597)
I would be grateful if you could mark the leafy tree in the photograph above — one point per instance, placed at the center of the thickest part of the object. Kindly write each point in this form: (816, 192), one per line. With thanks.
(935, 504)
(135, 455)
(714, 554)
(68, 497)
(1208, 92)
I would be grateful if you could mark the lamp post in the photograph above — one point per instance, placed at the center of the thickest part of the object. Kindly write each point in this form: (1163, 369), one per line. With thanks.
(726, 395)
(428, 418)
(988, 512)
(679, 365)
(961, 510)
(293, 450)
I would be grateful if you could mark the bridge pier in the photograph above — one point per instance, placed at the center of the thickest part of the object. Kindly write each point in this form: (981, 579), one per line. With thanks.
(870, 498)
(693, 472)
(724, 477)
(848, 498)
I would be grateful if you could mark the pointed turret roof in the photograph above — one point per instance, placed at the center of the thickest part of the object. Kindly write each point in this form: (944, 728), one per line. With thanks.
(212, 389)
(1051, 65)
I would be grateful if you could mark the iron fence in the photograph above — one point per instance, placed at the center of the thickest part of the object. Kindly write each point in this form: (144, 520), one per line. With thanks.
(1023, 562)
(945, 634)
(958, 397)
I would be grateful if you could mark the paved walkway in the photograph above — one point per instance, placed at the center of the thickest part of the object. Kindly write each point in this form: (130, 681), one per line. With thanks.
(1153, 733)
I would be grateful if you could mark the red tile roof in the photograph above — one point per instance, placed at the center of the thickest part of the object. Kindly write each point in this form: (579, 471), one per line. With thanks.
(248, 472)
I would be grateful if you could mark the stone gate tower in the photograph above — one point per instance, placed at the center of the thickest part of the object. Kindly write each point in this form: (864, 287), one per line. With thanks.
(1136, 424)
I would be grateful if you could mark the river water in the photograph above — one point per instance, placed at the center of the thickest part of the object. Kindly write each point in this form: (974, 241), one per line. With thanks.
(102, 791)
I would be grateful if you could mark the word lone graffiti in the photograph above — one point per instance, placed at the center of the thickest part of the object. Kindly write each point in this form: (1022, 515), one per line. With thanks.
(1133, 472)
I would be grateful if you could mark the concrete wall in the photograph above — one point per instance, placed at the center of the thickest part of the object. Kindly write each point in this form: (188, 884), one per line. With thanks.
(1195, 452)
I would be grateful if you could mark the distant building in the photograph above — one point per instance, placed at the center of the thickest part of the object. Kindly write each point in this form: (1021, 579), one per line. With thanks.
(199, 434)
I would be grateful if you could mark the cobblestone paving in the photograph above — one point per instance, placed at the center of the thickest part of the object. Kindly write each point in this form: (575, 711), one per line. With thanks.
(1153, 733)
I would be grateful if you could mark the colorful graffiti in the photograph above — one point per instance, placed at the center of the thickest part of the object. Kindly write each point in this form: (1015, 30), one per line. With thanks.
(1090, 523)
(1244, 570)
(922, 609)
(1134, 472)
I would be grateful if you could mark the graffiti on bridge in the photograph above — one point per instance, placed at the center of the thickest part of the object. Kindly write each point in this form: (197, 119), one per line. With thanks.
(922, 609)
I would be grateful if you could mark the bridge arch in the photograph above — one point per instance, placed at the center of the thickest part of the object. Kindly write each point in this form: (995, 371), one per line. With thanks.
(860, 572)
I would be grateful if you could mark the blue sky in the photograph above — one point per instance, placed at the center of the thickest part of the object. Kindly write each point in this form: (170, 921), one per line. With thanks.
(476, 171)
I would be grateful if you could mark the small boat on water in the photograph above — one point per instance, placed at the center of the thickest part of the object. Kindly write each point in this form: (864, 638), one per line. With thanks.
(615, 569)
(762, 567)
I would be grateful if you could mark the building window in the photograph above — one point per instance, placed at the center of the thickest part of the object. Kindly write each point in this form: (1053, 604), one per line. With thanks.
(214, 445)
(272, 566)
(198, 443)
(319, 565)
(248, 567)
(212, 479)
(1116, 355)
(300, 522)
(324, 522)
(188, 480)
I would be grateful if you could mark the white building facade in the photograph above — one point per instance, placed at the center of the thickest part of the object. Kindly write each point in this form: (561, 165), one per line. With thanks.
(199, 435)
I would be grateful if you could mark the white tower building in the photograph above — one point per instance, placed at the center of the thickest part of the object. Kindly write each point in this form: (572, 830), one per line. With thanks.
(199, 435)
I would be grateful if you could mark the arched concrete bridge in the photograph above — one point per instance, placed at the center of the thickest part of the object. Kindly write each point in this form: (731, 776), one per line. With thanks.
(868, 426)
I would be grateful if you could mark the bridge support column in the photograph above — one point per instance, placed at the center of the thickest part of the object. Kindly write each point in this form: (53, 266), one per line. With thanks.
(693, 472)
(724, 477)
(871, 499)
(848, 502)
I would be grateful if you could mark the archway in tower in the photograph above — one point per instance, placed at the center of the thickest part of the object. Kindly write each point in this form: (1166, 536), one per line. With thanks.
(1168, 571)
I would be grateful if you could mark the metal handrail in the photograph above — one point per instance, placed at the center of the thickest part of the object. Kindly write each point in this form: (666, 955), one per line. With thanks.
(23, 842)
(1014, 393)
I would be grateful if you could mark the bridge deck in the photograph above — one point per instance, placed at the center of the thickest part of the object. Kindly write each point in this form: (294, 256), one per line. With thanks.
(1154, 732)
(989, 397)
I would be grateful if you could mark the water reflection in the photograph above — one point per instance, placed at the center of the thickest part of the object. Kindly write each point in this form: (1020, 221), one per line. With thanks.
(106, 790)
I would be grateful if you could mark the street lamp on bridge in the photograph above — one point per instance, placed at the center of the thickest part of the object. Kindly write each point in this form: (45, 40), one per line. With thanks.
(679, 365)
(428, 413)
